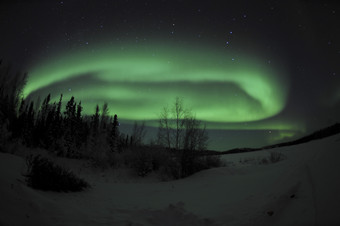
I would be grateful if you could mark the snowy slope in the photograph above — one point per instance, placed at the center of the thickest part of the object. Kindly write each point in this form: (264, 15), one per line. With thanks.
(303, 189)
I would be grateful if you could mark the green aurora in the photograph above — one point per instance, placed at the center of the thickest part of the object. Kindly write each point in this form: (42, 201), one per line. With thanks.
(224, 90)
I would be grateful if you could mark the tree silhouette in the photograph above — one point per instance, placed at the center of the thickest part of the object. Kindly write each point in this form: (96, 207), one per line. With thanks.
(114, 134)
(180, 130)
(138, 134)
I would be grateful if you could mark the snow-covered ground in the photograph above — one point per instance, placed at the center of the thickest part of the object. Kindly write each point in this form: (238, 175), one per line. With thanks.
(303, 189)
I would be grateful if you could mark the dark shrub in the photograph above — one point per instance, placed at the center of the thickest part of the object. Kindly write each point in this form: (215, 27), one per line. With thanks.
(183, 164)
(273, 157)
(170, 169)
(211, 161)
(141, 161)
(264, 161)
(43, 174)
(144, 160)
(276, 157)
(159, 158)
(194, 163)
(171, 164)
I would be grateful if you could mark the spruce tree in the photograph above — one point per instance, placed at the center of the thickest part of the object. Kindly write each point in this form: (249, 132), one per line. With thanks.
(95, 121)
(94, 130)
(104, 116)
(114, 134)
(69, 128)
(29, 126)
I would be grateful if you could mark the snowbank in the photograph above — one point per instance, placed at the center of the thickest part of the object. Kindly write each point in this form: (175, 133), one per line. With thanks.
(302, 189)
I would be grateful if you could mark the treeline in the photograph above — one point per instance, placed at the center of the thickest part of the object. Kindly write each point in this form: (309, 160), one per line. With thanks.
(65, 131)
(68, 133)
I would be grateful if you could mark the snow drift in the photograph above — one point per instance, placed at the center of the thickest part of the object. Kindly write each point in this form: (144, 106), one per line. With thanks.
(303, 189)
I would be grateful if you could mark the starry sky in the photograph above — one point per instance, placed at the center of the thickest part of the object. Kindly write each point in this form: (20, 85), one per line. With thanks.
(256, 72)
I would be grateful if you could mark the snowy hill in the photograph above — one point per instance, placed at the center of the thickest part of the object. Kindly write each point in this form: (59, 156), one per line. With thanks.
(303, 189)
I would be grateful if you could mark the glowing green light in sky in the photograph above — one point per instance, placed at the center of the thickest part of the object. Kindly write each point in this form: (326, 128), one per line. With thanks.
(138, 82)
(278, 136)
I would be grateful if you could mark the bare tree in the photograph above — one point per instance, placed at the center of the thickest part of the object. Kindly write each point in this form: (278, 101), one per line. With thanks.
(138, 134)
(179, 129)
(196, 137)
(164, 128)
(171, 125)
(180, 115)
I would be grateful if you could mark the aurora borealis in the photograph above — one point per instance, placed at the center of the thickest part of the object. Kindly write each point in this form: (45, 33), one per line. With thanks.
(254, 72)
(144, 81)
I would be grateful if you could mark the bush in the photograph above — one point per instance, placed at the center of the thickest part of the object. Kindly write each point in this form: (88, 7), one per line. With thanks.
(170, 164)
(170, 169)
(99, 156)
(193, 164)
(211, 161)
(275, 156)
(159, 158)
(102, 159)
(184, 165)
(142, 162)
(43, 174)
(264, 161)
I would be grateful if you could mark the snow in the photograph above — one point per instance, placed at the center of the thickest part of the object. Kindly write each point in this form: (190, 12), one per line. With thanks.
(303, 189)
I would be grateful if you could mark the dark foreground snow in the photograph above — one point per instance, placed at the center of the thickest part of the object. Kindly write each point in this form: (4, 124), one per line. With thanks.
(303, 189)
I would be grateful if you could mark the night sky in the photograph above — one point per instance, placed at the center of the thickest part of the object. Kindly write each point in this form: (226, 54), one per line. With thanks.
(256, 72)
